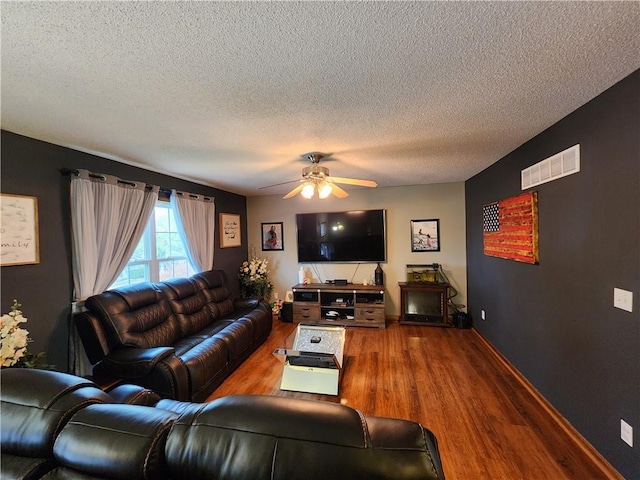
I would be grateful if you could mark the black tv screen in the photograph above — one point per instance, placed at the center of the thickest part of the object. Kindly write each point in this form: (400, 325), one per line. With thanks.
(353, 236)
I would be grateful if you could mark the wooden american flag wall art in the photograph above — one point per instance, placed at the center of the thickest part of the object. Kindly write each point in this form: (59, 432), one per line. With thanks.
(510, 228)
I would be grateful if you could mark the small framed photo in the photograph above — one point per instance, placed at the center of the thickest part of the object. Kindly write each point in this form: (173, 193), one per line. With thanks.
(425, 235)
(230, 233)
(272, 236)
(289, 296)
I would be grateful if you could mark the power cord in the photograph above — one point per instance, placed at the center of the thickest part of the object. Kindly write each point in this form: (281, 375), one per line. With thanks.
(354, 273)
(451, 293)
(319, 276)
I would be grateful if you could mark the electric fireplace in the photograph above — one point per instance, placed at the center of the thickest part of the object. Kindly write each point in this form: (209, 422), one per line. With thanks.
(424, 304)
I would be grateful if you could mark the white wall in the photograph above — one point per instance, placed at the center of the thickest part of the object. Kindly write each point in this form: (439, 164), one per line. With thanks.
(445, 202)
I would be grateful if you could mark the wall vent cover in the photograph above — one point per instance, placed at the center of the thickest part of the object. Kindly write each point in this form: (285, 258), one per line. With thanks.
(560, 165)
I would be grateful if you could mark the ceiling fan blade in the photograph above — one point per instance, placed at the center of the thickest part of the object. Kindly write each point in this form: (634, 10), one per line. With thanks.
(338, 192)
(354, 181)
(294, 192)
(277, 184)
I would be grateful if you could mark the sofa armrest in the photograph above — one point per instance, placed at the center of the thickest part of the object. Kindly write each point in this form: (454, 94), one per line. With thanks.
(134, 362)
(93, 336)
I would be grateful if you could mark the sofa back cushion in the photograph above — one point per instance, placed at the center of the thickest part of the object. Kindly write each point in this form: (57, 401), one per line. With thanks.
(35, 406)
(135, 316)
(114, 441)
(215, 288)
(188, 304)
(264, 437)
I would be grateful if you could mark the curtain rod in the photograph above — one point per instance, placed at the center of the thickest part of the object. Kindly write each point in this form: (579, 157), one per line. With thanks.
(193, 195)
(71, 171)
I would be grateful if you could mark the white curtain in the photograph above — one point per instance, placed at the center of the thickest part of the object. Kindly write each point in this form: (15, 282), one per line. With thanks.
(196, 218)
(108, 218)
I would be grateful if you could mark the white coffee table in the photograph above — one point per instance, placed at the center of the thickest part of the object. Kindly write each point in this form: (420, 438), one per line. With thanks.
(313, 359)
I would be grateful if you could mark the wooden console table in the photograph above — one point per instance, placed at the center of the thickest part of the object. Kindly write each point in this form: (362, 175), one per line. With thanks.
(356, 305)
(424, 304)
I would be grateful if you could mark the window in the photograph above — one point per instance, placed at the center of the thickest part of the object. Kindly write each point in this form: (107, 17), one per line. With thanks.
(160, 254)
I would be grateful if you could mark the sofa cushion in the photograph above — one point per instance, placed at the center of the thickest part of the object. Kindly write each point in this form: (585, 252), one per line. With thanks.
(188, 304)
(36, 404)
(14, 467)
(261, 323)
(136, 316)
(213, 328)
(242, 306)
(207, 362)
(239, 339)
(134, 395)
(116, 441)
(213, 285)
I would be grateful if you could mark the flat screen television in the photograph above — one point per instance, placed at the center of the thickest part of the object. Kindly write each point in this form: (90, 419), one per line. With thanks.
(342, 237)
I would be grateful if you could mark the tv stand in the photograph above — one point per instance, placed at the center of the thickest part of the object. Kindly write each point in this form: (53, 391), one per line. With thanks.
(355, 304)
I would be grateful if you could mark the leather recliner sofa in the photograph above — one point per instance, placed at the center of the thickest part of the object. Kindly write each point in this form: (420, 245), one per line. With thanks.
(59, 427)
(180, 338)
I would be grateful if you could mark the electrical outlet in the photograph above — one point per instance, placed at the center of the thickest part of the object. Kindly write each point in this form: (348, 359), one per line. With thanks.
(482, 315)
(626, 432)
(623, 299)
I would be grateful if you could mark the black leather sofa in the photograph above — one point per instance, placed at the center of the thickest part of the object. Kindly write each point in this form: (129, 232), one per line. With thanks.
(180, 338)
(59, 427)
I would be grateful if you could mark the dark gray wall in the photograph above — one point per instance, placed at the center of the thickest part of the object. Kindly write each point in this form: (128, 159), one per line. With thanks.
(32, 167)
(555, 321)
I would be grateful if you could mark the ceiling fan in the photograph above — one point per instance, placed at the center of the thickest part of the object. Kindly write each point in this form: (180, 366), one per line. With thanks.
(317, 179)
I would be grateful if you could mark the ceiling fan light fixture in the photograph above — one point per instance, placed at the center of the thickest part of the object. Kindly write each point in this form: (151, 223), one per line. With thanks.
(317, 178)
(324, 189)
(308, 190)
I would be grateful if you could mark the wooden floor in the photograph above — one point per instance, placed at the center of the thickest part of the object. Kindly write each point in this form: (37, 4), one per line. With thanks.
(487, 424)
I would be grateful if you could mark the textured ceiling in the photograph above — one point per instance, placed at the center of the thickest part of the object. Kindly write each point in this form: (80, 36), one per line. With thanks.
(229, 94)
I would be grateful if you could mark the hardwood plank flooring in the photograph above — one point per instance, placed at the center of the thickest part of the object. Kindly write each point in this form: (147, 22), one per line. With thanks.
(487, 424)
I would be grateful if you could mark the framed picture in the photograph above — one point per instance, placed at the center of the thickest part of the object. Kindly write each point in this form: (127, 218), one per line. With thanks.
(425, 235)
(272, 236)
(19, 230)
(230, 233)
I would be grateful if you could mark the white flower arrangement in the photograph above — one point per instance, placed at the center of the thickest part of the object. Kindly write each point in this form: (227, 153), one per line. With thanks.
(255, 269)
(253, 279)
(13, 339)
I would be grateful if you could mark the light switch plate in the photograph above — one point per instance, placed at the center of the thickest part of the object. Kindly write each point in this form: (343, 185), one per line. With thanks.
(623, 299)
